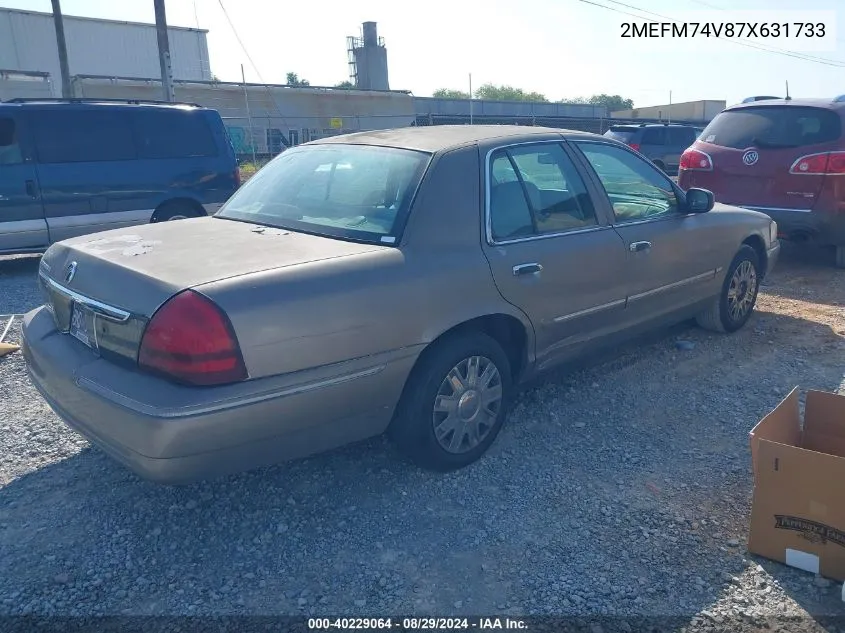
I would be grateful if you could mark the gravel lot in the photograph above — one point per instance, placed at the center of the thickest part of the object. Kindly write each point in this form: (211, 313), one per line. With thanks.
(621, 487)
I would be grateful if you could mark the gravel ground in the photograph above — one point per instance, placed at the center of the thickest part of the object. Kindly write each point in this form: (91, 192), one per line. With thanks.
(617, 488)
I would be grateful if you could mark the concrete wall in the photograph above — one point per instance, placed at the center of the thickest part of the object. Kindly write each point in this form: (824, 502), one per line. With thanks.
(688, 111)
(97, 47)
(460, 107)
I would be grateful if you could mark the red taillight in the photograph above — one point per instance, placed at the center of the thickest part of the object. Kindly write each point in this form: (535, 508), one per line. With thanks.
(695, 160)
(634, 146)
(830, 163)
(190, 339)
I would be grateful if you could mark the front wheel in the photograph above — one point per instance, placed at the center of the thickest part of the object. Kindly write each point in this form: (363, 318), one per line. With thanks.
(455, 402)
(733, 307)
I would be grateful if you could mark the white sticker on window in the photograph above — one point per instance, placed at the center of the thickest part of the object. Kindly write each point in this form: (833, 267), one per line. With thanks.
(388, 239)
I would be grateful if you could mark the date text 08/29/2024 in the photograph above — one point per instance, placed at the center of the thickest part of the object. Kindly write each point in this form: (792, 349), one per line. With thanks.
(416, 624)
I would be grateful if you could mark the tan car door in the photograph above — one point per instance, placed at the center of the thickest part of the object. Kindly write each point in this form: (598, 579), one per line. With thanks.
(673, 256)
(551, 254)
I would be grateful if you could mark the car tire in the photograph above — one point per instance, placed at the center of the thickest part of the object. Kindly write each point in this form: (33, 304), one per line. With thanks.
(423, 412)
(840, 256)
(735, 303)
(173, 211)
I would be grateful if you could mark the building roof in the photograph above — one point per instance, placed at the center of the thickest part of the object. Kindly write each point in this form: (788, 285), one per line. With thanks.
(65, 16)
(436, 138)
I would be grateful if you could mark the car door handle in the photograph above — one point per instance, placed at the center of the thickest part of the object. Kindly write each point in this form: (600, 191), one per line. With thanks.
(527, 269)
(30, 189)
(636, 247)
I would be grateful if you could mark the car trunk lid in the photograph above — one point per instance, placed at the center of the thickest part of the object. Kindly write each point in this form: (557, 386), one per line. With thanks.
(121, 277)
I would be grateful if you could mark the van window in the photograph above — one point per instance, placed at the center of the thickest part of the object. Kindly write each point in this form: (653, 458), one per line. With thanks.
(172, 133)
(10, 150)
(654, 136)
(619, 133)
(73, 136)
(773, 127)
(681, 136)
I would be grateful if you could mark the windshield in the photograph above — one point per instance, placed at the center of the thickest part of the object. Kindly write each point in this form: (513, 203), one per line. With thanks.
(772, 127)
(348, 191)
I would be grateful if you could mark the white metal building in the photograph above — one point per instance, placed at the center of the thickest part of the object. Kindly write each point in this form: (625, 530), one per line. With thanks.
(97, 47)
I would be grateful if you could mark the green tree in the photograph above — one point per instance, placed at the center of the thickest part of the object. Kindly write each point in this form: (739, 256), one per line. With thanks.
(611, 102)
(448, 93)
(507, 93)
(347, 85)
(294, 80)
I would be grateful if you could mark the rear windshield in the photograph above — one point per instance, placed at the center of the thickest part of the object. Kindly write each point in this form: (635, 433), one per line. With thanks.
(623, 134)
(353, 192)
(773, 127)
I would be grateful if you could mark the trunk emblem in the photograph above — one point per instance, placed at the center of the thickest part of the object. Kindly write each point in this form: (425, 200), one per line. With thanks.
(70, 272)
(750, 157)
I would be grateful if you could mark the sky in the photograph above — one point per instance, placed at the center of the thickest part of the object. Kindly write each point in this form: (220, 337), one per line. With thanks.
(560, 48)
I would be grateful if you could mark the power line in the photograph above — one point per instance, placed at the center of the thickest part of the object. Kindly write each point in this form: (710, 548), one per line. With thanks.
(713, 6)
(818, 60)
(763, 47)
(238, 37)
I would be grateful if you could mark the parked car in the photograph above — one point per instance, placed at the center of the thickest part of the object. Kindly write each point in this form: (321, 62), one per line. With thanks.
(783, 157)
(409, 291)
(662, 143)
(71, 167)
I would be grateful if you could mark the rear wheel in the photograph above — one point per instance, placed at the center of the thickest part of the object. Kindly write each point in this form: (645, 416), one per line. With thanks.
(455, 402)
(735, 303)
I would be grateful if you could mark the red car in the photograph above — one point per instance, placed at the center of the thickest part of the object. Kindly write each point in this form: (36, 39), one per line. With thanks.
(784, 157)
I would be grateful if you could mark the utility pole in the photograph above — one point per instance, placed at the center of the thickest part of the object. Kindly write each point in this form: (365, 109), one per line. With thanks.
(164, 51)
(62, 46)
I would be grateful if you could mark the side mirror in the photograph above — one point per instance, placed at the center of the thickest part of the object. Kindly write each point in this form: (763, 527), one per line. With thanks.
(699, 200)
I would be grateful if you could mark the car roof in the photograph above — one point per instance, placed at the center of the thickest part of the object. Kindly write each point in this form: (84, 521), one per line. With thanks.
(435, 138)
(640, 126)
(829, 104)
(95, 103)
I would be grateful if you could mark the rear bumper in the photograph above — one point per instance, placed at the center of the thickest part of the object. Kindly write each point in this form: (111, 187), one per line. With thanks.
(799, 225)
(175, 434)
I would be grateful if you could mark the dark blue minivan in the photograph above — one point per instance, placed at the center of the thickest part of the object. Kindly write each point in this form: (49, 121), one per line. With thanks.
(71, 167)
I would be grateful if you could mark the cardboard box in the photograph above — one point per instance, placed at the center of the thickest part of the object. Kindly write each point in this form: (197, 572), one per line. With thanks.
(798, 513)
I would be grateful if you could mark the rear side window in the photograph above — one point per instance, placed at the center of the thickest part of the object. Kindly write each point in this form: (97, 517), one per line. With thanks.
(68, 136)
(681, 136)
(773, 127)
(654, 136)
(172, 134)
(620, 134)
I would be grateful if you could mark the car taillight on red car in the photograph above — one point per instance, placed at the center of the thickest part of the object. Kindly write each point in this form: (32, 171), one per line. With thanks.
(191, 340)
(824, 163)
(695, 160)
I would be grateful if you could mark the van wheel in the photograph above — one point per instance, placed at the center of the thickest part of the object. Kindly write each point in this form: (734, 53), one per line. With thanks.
(455, 402)
(735, 303)
(173, 211)
(840, 256)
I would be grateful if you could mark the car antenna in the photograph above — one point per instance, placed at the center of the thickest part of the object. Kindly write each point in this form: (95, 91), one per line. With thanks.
(787, 91)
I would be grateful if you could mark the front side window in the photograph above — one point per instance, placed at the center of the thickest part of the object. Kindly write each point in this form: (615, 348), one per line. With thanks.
(172, 133)
(346, 191)
(535, 189)
(654, 136)
(10, 149)
(637, 191)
